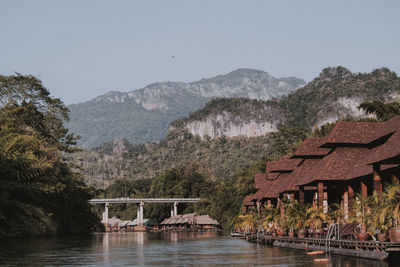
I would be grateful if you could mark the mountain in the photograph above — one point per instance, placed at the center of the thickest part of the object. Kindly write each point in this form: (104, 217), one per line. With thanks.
(334, 95)
(144, 115)
(217, 145)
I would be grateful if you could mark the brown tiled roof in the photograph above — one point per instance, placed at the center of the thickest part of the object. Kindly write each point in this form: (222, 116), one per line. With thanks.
(343, 163)
(388, 127)
(311, 148)
(273, 175)
(350, 132)
(261, 193)
(259, 180)
(286, 164)
(298, 175)
(247, 200)
(279, 185)
(269, 166)
(390, 149)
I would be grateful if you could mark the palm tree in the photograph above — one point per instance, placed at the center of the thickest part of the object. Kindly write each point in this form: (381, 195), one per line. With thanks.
(296, 214)
(379, 217)
(393, 197)
(360, 207)
(336, 213)
(316, 216)
(270, 215)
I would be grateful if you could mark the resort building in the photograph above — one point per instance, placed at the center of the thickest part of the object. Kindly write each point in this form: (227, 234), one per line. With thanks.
(189, 222)
(356, 157)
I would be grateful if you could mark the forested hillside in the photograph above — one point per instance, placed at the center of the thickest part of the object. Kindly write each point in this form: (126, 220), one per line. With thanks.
(220, 157)
(335, 94)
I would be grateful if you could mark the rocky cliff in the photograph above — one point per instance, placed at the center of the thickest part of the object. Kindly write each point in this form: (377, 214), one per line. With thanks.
(334, 95)
(144, 115)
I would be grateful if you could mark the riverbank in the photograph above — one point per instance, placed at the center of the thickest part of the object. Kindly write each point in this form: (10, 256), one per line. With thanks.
(383, 251)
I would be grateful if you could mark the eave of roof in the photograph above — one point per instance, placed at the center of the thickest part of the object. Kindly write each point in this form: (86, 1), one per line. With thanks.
(297, 175)
(286, 164)
(311, 148)
(259, 180)
(390, 149)
(344, 163)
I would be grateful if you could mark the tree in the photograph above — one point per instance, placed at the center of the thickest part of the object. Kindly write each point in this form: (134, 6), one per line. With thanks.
(40, 194)
(382, 111)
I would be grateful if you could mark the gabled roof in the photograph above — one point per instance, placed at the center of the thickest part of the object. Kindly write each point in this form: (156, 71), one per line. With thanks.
(389, 150)
(261, 193)
(360, 133)
(191, 218)
(310, 148)
(273, 175)
(205, 219)
(388, 127)
(343, 163)
(269, 166)
(298, 174)
(353, 133)
(278, 185)
(286, 164)
(259, 180)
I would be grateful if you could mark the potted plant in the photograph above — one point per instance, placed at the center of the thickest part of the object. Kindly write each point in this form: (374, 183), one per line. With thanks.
(360, 211)
(316, 217)
(379, 217)
(393, 197)
(270, 215)
(296, 216)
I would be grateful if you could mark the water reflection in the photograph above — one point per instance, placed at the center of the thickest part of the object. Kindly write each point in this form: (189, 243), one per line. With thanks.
(159, 249)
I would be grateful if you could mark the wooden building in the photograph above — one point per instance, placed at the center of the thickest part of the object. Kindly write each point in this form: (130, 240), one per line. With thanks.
(189, 222)
(356, 157)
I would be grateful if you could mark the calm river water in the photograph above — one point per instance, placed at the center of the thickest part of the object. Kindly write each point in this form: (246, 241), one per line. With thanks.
(158, 249)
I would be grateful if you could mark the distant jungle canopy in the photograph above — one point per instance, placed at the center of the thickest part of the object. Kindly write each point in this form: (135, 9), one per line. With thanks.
(40, 195)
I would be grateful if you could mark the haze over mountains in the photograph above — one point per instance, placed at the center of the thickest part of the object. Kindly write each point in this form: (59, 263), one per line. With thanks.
(144, 115)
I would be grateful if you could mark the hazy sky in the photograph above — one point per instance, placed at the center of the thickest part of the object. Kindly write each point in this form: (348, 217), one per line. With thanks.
(81, 49)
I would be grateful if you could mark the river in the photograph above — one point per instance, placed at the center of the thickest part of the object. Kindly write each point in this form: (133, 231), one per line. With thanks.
(158, 249)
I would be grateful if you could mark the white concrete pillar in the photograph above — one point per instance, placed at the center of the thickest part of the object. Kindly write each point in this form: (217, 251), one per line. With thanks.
(105, 213)
(138, 215)
(141, 213)
(172, 211)
(176, 208)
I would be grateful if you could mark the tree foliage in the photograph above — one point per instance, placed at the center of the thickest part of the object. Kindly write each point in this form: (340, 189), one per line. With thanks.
(382, 111)
(39, 193)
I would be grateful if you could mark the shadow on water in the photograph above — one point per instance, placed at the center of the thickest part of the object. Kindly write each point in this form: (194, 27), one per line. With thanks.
(159, 249)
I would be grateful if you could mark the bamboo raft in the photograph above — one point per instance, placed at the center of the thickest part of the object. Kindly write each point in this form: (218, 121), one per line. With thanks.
(363, 249)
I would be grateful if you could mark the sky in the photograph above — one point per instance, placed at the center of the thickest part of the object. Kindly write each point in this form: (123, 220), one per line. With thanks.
(82, 49)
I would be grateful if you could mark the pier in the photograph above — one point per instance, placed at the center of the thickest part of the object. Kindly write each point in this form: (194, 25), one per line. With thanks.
(363, 249)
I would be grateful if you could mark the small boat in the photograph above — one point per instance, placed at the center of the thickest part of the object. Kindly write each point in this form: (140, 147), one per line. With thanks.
(317, 252)
(237, 234)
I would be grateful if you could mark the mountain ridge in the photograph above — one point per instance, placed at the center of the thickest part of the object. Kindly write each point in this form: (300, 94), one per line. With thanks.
(144, 115)
(334, 94)
(294, 115)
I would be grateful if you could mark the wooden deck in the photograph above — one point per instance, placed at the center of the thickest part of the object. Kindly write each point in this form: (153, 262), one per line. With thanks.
(363, 249)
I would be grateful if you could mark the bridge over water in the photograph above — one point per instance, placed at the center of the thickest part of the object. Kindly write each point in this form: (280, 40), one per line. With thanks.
(141, 202)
